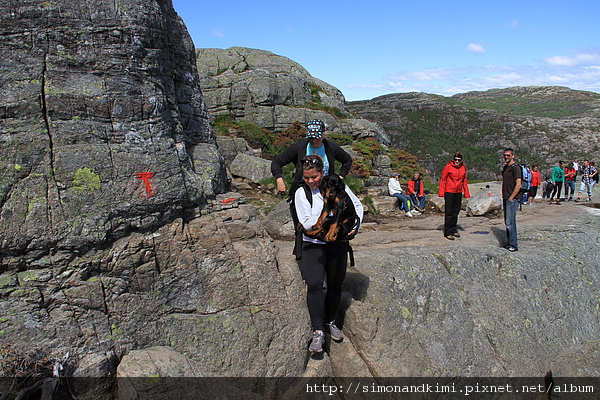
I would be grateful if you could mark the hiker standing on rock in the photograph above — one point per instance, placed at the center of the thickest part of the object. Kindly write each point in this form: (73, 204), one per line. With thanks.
(588, 173)
(558, 177)
(321, 262)
(536, 182)
(511, 196)
(452, 186)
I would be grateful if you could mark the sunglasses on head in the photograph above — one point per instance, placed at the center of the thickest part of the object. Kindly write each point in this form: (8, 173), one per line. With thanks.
(312, 161)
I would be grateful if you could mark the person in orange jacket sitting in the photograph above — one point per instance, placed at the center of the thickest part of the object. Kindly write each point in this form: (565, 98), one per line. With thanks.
(452, 186)
(416, 191)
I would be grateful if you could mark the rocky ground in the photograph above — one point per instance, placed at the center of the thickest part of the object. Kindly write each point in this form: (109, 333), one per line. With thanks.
(392, 230)
(426, 230)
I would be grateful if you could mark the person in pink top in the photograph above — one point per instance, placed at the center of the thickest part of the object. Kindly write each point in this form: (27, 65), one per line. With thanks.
(452, 186)
(536, 181)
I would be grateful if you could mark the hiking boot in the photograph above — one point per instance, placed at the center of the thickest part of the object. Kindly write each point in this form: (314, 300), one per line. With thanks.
(316, 346)
(456, 235)
(334, 331)
(449, 237)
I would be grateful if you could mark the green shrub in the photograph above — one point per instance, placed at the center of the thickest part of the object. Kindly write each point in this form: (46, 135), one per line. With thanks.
(339, 138)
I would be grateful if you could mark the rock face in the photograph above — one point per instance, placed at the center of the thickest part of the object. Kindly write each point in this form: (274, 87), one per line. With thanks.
(101, 121)
(115, 229)
(273, 92)
(480, 312)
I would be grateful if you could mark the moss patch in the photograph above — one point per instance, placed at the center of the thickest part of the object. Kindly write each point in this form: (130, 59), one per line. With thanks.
(85, 179)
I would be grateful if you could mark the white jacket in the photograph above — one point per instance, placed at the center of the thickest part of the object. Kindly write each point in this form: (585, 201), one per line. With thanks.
(309, 214)
(394, 186)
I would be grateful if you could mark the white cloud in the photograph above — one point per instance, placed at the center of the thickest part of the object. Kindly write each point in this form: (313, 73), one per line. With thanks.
(514, 24)
(475, 48)
(219, 32)
(589, 58)
(449, 81)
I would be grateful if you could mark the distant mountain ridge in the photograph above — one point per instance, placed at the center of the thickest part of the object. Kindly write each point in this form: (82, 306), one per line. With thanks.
(536, 101)
(543, 124)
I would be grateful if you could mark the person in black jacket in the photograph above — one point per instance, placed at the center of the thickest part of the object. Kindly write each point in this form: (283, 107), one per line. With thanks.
(314, 143)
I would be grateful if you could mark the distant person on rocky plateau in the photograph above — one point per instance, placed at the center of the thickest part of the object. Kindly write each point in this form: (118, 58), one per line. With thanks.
(588, 174)
(577, 168)
(395, 190)
(547, 188)
(314, 144)
(416, 191)
(452, 186)
(558, 178)
(536, 182)
(511, 192)
(321, 261)
(570, 174)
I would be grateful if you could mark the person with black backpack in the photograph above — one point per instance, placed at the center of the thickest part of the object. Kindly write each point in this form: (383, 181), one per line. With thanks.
(511, 191)
(314, 143)
(322, 261)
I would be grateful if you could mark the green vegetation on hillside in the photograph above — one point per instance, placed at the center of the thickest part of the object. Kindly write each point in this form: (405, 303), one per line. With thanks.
(317, 104)
(272, 143)
(519, 106)
(269, 142)
(551, 102)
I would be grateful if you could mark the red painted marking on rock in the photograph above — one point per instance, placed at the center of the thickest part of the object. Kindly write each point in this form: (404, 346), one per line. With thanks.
(145, 176)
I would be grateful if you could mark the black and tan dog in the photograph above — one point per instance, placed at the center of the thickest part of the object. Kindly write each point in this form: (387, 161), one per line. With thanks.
(338, 217)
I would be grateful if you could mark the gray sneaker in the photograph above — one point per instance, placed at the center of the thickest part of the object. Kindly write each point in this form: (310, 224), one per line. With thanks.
(316, 346)
(334, 331)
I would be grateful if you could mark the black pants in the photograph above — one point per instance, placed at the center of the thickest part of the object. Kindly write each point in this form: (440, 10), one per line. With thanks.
(320, 261)
(452, 203)
(557, 188)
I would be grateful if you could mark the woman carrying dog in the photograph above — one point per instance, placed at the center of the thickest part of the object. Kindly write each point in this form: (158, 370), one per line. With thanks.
(321, 260)
(452, 186)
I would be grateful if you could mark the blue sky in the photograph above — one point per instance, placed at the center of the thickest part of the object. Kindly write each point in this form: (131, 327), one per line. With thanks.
(370, 48)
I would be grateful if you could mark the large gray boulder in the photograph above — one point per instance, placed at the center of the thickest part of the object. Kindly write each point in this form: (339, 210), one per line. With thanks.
(250, 167)
(484, 202)
(481, 311)
(103, 126)
(278, 222)
(273, 92)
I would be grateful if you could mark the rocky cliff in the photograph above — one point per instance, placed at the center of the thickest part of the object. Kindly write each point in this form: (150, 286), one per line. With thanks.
(543, 124)
(273, 92)
(104, 128)
(115, 229)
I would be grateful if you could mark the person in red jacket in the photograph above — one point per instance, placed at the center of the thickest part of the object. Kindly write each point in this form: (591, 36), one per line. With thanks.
(416, 191)
(452, 186)
(536, 182)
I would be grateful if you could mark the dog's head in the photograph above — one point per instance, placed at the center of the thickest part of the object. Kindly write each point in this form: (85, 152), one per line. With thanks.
(331, 186)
